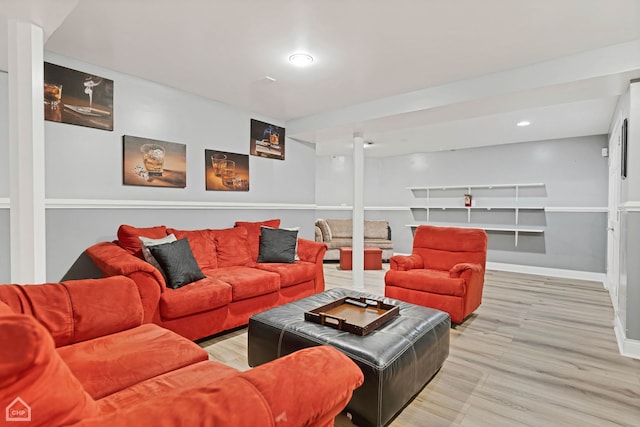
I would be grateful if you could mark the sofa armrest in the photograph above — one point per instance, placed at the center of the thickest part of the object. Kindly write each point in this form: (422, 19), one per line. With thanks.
(318, 234)
(330, 375)
(458, 269)
(406, 262)
(473, 275)
(311, 251)
(113, 260)
(325, 230)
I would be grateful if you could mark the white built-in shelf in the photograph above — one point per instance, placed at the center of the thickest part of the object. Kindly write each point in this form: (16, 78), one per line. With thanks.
(444, 197)
(472, 186)
(488, 208)
(487, 227)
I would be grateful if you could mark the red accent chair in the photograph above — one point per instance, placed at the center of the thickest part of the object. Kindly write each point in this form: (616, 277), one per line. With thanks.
(445, 270)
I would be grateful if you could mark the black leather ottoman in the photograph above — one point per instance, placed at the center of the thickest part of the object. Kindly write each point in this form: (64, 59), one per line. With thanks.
(397, 359)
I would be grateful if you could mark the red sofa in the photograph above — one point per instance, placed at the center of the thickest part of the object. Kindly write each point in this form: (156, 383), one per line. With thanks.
(77, 353)
(236, 285)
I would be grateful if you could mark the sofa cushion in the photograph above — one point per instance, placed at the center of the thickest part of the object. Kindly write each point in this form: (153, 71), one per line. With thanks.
(339, 243)
(433, 281)
(443, 247)
(253, 233)
(128, 237)
(232, 247)
(32, 370)
(369, 243)
(376, 229)
(247, 282)
(277, 245)
(378, 243)
(177, 262)
(202, 244)
(113, 362)
(203, 295)
(291, 274)
(340, 228)
(78, 310)
(199, 374)
(228, 402)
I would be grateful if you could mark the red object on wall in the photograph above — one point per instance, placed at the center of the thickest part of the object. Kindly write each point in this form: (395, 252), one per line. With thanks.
(467, 200)
(372, 258)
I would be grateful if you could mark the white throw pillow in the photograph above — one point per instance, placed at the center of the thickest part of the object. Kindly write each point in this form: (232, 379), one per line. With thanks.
(146, 242)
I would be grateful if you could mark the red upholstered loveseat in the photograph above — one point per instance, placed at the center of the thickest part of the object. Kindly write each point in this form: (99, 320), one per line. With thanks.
(78, 354)
(236, 285)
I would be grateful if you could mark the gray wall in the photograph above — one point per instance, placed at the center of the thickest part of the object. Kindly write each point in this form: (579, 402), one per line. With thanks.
(85, 164)
(573, 171)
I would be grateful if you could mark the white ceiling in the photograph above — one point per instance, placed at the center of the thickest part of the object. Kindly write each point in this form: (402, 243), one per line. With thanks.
(410, 75)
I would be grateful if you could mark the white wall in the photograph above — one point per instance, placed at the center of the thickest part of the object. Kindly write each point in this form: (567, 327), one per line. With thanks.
(629, 286)
(573, 171)
(85, 164)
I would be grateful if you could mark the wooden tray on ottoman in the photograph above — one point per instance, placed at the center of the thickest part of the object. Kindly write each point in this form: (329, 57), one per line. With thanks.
(357, 315)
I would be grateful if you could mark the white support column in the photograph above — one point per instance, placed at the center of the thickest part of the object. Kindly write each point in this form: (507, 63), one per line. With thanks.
(26, 153)
(358, 212)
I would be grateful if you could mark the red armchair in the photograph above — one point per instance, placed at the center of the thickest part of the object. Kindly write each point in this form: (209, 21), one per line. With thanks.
(445, 270)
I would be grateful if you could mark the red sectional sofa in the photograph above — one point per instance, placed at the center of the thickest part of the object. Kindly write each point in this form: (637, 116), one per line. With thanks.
(77, 353)
(236, 285)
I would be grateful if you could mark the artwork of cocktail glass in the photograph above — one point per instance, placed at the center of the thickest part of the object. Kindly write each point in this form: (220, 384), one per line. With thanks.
(87, 99)
(154, 163)
(227, 172)
(216, 159)
(153, 159)
(52, 95)
(266, 140)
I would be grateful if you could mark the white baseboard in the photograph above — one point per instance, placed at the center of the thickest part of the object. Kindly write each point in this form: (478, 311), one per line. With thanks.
(626, 346)
(545, 271)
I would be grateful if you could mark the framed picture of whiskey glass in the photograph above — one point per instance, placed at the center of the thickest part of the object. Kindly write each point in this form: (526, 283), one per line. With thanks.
(267, 140)
(153, 163)
(77, 98)
(226, 171)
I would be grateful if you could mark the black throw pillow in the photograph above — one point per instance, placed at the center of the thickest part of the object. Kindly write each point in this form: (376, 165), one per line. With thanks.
(277, 245)
(177, 262)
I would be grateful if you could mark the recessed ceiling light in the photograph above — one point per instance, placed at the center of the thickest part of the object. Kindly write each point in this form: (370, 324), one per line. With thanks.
(523, 123)
(301, 59)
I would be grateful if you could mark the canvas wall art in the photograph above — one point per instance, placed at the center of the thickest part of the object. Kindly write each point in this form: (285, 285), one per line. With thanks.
(226, 171)
(77, 98)
(153, 163)
(267, 140)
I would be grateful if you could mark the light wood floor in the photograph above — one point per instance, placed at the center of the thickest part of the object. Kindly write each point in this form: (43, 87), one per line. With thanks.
(539, 351)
